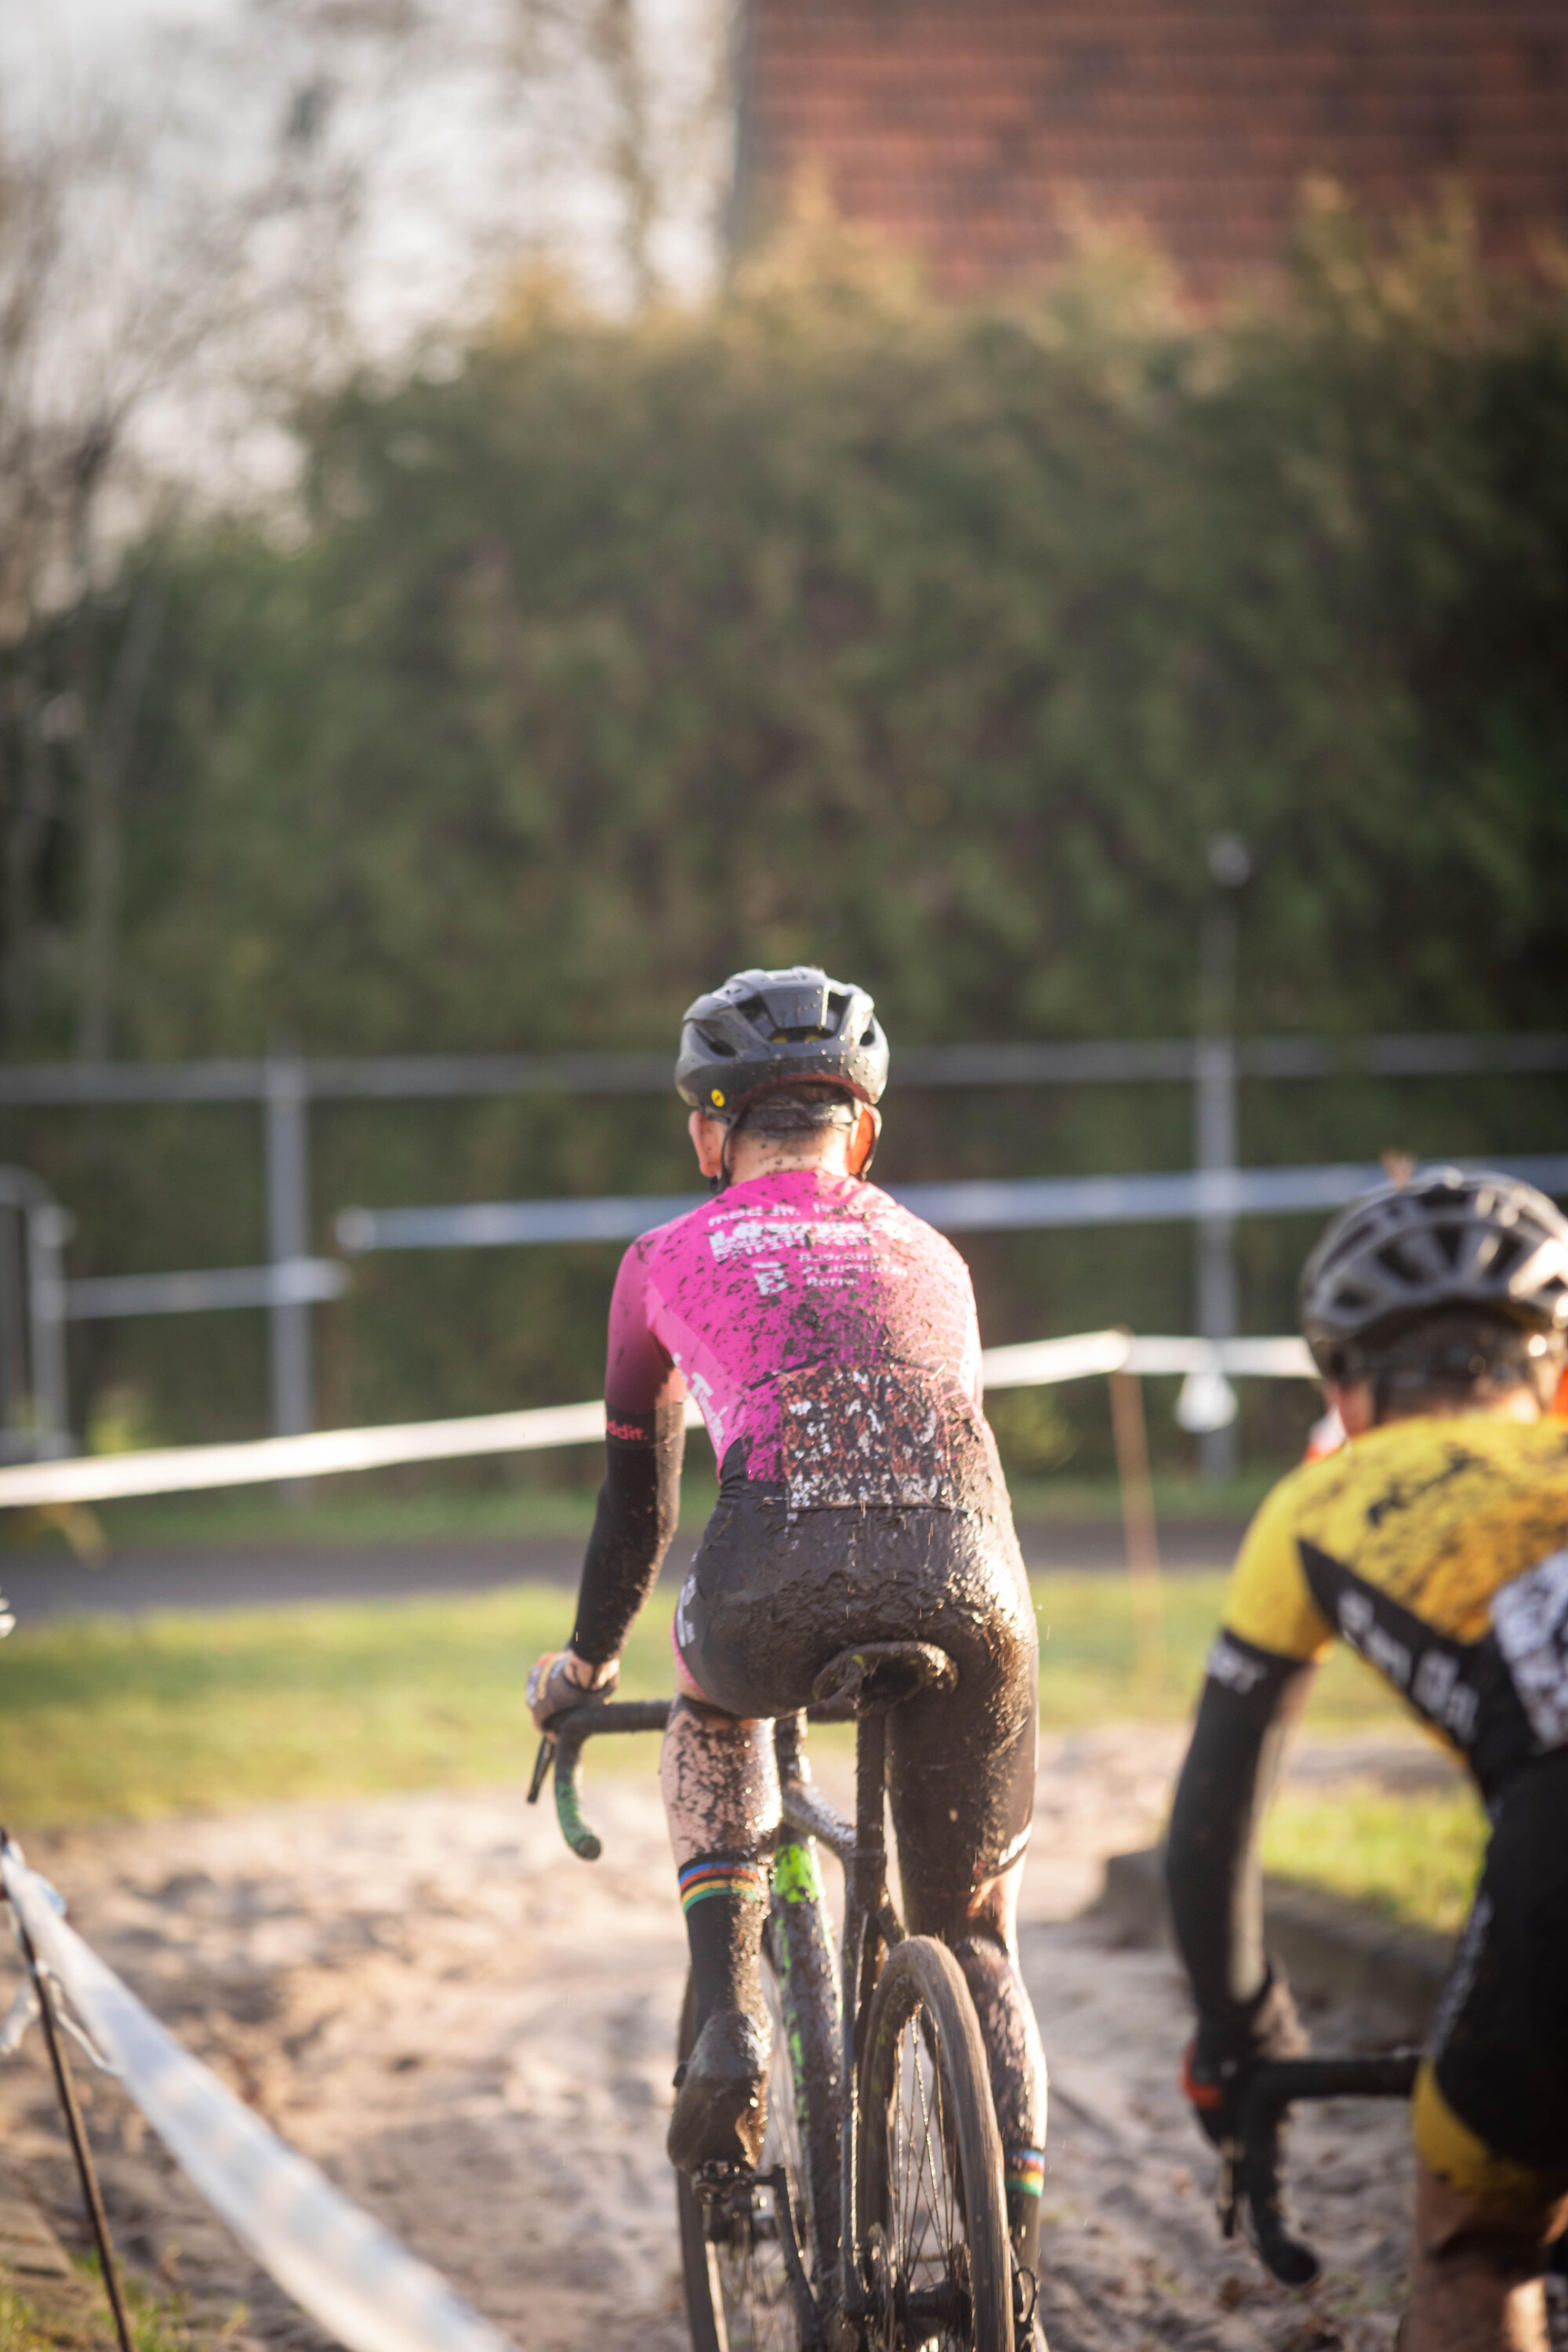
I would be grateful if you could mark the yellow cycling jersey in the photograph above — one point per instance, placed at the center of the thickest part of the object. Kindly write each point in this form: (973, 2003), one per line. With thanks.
(1437, 1514)
(1438, 1549)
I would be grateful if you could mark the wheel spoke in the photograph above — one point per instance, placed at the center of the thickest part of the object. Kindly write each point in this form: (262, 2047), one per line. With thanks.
(927, 2256)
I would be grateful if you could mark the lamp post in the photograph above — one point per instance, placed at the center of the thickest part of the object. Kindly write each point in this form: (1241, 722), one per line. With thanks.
(1208, 1402)
(288, 1241)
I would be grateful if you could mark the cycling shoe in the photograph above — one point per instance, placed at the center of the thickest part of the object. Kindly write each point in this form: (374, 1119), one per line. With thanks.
(721, 2107)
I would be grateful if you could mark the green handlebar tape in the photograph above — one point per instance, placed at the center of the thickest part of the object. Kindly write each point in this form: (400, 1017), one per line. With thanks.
(569, 1813)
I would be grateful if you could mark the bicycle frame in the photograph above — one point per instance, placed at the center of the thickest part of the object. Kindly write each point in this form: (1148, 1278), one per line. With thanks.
(862, 1847)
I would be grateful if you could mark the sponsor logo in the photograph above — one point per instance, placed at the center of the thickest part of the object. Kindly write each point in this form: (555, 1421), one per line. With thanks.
(1228, 1665)
(1530, 1619)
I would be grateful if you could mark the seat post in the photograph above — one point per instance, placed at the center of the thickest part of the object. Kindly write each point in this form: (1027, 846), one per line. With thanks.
(870, 1789)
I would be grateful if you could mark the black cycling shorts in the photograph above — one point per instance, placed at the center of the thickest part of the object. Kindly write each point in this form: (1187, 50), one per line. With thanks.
(1499, 2047)
(773, 1596)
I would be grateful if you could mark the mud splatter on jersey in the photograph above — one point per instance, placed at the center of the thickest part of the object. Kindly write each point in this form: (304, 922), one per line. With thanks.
(823, 1329)
(1431, 1546)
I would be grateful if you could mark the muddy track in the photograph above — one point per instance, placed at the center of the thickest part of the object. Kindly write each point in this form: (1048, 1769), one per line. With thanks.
(471, 2031)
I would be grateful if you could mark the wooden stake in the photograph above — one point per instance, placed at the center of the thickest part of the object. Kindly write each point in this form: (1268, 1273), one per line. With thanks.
(1130, 1432)
(86, 2172)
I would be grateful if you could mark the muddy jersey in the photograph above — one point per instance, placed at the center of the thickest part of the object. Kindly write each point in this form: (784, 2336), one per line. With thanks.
(823, 1331)
(1438, 1549)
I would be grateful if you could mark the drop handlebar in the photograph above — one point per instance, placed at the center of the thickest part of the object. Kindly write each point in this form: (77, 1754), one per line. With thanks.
(1249, 2190)
(564, 1742)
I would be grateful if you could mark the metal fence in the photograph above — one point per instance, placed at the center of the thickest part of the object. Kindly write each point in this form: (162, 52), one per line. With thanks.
(285, 1084)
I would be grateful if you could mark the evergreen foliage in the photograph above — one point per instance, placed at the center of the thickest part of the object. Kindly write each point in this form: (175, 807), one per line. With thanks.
(933, 643)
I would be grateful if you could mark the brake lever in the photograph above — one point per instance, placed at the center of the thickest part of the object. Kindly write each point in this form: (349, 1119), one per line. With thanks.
(1255, 2192)
(1227, 2192)
(541, 1767)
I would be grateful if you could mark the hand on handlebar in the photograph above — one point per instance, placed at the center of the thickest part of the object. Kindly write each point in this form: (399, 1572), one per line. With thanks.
(1214, 2064)
(1209, 2087)
(561, 1680)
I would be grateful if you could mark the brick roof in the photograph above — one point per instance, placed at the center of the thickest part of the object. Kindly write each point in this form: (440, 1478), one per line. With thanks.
(956, 125)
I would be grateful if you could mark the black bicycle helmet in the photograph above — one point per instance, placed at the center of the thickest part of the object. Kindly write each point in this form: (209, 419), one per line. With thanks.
(766, 1029)
(1484, 1242)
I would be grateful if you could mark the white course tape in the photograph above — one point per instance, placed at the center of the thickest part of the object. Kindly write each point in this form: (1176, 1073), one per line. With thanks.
(184, 1469)
(187, 1469)
(1035, 1362)
(344, 2269)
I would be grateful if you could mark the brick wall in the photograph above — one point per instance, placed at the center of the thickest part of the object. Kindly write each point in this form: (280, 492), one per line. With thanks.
(956, 125)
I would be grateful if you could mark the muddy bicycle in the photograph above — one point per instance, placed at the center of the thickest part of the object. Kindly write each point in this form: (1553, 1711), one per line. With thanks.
(876, 2218)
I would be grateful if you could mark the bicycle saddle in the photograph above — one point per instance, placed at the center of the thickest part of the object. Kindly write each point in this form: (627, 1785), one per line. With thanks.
(879, 1675)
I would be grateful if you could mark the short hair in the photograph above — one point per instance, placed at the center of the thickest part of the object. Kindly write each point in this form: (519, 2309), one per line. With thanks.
(1459, 1356)
(798, 1108)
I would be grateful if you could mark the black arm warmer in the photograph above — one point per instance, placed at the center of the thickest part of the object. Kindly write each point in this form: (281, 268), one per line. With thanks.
(1214, 1876)
(639, 1503)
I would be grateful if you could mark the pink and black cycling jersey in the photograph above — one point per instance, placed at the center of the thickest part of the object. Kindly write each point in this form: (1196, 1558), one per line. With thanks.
(823, 1331)
(830, 1340)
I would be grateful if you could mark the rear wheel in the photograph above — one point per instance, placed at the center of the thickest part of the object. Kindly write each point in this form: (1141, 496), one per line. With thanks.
(738, 2296)
(932, 2209)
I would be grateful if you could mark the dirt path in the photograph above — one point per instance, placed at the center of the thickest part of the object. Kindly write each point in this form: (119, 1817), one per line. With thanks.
(471, 2031)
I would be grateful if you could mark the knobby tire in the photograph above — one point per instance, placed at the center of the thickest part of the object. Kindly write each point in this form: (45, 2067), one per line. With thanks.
(929, 2189)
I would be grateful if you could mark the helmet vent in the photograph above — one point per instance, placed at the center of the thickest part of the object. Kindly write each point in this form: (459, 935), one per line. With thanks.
(1487, 1245)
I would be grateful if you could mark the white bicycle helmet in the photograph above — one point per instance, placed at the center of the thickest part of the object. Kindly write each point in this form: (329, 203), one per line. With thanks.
(1485, 1243)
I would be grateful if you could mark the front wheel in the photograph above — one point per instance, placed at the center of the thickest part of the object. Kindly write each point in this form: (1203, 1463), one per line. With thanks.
(931, 2208)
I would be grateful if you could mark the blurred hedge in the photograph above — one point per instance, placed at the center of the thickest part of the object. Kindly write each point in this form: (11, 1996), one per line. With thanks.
(933, 643)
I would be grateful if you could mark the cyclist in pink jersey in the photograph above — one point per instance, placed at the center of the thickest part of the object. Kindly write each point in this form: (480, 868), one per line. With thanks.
(829, 1340)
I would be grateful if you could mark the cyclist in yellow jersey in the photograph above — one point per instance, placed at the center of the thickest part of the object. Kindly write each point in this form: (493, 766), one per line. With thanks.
(1435, 1543)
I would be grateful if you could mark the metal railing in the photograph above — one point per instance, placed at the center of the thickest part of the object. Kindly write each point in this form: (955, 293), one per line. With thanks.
(34, 1230)
(285, 1084)
(1000, 1204)
(1067, 1063)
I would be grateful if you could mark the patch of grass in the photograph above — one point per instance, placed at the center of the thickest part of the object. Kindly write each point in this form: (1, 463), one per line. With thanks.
(23, 2329)
(372, 1509)
(111, 1719)
(106, 1718)
(1412, 1858)
(1038, 1502)
(414, 1507)
(103, 1718)
(64, 2324)
(1110, 1652)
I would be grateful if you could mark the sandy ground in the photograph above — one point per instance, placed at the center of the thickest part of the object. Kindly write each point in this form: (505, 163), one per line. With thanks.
(471, 2031)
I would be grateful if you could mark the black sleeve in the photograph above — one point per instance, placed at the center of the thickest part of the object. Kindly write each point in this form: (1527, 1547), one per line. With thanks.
(639, 1503)
(1249, 1705)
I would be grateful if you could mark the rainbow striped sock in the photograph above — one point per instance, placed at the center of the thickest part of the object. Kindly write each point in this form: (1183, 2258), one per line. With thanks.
(716, 1874)
(1023, 2169)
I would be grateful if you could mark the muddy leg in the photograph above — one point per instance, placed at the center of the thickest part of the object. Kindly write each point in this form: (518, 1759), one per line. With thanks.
(721, 1802)
(987, 1952)
(1475, 2272)
(982, 1933)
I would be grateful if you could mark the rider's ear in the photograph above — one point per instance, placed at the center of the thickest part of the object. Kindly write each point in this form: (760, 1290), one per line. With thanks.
(863, 1142)
(708, 1141)
(1355, 1403)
